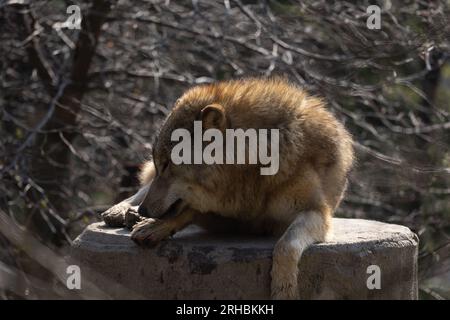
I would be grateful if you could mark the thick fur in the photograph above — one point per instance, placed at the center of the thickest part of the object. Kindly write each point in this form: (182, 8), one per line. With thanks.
(295, 204)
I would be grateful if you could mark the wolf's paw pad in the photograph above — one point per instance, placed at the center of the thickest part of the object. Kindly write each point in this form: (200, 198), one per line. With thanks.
(150, 231)
(115, 216)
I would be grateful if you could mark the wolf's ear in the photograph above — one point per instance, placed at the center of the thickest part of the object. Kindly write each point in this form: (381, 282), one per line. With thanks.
(213, 116)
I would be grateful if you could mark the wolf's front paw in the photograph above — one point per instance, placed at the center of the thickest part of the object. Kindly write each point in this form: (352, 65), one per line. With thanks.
(284, 291)
(115, 216)
(132, 217)
(150, 231)
(284, 283)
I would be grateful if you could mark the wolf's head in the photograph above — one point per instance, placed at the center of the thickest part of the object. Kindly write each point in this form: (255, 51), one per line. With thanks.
(178, 185)
(208, 185)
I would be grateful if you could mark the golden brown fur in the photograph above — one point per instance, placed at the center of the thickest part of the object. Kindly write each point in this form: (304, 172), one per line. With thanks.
(296, 203)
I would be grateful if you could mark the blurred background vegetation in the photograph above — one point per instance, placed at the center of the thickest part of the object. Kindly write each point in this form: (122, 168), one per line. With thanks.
(80, 108)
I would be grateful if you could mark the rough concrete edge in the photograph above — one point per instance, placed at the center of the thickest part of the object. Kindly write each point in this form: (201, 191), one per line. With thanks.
(406, 238)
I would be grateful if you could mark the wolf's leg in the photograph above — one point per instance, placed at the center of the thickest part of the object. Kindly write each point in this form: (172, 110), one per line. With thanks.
(151, 231)
(115, 216)
(308, 227)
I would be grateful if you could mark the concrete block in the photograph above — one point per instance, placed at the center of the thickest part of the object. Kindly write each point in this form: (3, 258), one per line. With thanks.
(197, 265)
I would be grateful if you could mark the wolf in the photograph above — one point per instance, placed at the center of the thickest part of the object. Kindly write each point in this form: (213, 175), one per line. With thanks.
(296, 204)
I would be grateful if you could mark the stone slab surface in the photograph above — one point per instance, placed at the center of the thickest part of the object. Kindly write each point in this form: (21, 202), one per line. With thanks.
(198, 265)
